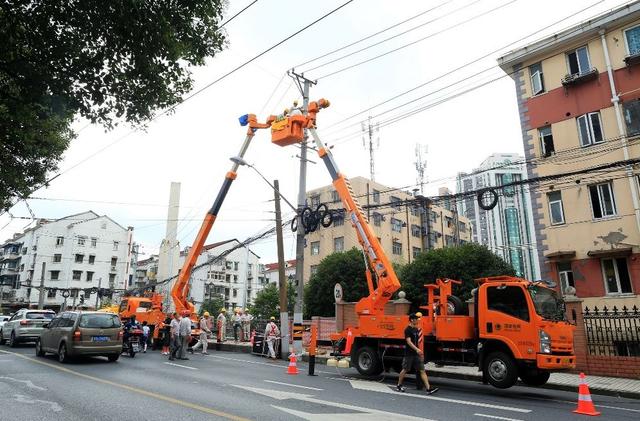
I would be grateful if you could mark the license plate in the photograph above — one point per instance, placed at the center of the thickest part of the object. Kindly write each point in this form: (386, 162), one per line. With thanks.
(99, 338)
(136, 347)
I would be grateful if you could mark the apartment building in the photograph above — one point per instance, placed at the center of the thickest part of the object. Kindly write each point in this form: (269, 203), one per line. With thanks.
(71, 255)
(147, 271)
(578, 95)
(271, 272)
(405, 224)
(507, 229)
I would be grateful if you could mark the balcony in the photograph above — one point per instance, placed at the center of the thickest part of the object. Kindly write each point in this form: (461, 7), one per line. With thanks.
(8, 271)
(580, 78)
(632, 59)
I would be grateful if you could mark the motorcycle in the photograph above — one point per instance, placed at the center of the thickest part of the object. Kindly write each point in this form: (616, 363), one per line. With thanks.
(132, 342)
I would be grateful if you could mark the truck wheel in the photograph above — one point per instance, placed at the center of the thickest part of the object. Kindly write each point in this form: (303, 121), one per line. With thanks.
(500, 369)
(367, 361)
(534, 377)
(455, 306)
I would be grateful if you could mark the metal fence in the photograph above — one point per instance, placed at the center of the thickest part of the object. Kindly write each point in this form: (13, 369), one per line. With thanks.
(613, 332)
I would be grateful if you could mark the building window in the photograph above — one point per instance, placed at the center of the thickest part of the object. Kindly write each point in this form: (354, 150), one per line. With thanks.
(236, 265)
(415, 210)
(448, 221)
(396, 225)
(632, 38)
(77, 274)
(235, 293)
(377, 219)
(396, 202)
(448, 240)
(565, 274)
(51, 293)
(112, 278)
(59, 241)
(631, 111)
(462, 227)
(335, 197)
(338, 244)
(114, 261)
(24, 250)
(556, 211)
(338, 218)
(537, 81)
(55, 275)
(79, 258)
(415, 230)
(227, 278)
(616, 275)
(314, 269)
(92, 259)
(397, 248)
(89, 276)
(376, 196)
(228, 265)
(603, 202)
(578, 61)
(235, 279)
(82, 240)
(94, 241)
(73, 293)
(315, 201)
(57, 258)
(546, 141)
(115, 245)
(416, 251)
(315, 248)
(590, 129)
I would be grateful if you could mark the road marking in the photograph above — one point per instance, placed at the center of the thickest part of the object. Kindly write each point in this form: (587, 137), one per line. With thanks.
(182, 366)
(55, 407)
(573, 403)
(272, 364)
(294, 385)
(383, 388)
(29, 384)
(144, 392)
(495, 417)
(364, 413)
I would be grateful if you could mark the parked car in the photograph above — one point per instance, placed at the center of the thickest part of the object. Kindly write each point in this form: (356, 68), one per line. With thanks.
(24, 326)
(75, 333)
(3, 319)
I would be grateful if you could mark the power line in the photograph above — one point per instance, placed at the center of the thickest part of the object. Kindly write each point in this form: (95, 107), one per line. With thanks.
(237, 14)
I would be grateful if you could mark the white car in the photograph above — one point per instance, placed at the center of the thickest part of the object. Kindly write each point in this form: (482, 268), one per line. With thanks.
(3, 319)
(25, 326)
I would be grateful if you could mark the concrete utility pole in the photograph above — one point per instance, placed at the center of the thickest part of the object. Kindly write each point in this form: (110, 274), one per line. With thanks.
(282, 280)
(302, 192)
(41, 289)
(98, 293)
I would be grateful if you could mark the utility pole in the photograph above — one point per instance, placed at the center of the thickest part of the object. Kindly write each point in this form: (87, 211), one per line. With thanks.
(98, 293)
(41, 289)
(282, 280)
(302, 191)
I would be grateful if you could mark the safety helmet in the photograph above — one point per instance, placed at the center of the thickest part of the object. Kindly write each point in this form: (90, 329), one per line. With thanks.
(419, 314)
(272, 318)
(206, 314)
(224, 310)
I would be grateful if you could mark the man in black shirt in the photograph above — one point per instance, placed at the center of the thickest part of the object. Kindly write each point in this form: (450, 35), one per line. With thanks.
(413, 355)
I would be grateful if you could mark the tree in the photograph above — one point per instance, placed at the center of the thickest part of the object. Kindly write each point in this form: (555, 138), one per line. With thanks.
(347, 269)
(267, 302)
(105, 61)
(464, 263)
(212, 305)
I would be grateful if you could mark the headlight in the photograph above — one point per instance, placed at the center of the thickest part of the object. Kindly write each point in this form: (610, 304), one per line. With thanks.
(545, 342)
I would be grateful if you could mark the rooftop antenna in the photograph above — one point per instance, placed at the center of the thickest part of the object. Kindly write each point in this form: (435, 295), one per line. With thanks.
(368, 132)
(421, 166)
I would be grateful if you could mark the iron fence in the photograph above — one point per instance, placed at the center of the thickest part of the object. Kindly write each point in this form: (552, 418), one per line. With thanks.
(613, 332)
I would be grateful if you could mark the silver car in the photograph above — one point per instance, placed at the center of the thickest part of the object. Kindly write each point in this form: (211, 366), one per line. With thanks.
(25, 326)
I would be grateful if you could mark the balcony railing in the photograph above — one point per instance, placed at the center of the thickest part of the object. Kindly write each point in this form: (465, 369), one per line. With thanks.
(632, 59)
(579, 78)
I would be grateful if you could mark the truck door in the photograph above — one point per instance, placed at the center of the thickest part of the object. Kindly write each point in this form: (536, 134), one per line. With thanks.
(508, 318)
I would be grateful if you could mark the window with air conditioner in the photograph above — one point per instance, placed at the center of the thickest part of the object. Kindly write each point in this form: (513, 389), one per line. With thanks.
(565, 274)
(590, 129)
(556, 210)
(616, 275)
(315, 248)
(537, 80)
(546, 141)
(397, 248)
(578, 61)
(603, 202)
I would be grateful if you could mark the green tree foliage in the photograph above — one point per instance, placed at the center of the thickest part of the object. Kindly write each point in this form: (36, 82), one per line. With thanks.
(267, 302)
(346, 268)
(103, 60)
(213, 306)
(464, 263)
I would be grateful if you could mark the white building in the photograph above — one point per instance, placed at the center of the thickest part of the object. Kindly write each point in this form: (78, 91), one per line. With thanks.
(236, 275)
(72, 255)
(272, 276)
(507, 229)
(147, 271)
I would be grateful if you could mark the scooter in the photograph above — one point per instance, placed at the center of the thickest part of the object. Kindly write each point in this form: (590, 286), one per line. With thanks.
(132, 342)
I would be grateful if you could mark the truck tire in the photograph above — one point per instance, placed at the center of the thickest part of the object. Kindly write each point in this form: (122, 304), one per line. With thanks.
(534, 377)
(500, 370)
(456, 306)
(367, 361)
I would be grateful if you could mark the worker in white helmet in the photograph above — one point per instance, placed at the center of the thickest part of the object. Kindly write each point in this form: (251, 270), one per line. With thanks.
(272, 334)
(204, 334)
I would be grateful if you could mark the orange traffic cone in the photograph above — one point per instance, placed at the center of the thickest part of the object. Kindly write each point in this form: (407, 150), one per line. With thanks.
(585, 404)
(347, 348)
(292, 369)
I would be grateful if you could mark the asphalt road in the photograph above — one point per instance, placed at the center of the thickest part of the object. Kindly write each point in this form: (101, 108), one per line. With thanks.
(227, 385)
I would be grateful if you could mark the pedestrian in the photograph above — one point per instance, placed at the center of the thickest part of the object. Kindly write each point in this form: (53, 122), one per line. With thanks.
(204, 334)
(236, 319)
(222, 325)
(413, 355)
(246, 325)
(272, 334)
(185, 334)
(174, 331)
(145, 336)
(165, 335)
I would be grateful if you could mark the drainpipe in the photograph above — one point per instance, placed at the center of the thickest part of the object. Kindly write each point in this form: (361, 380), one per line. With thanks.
(615, 99)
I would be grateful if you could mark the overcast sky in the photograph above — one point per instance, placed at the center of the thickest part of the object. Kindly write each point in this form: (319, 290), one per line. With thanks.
(129, 181)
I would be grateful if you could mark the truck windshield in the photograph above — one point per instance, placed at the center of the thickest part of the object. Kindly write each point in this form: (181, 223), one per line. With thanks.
(546, 302)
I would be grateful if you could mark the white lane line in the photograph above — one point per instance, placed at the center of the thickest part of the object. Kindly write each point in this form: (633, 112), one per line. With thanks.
(618, 408)
(293, 385)
(573, 403)
(495, 417)
(273, 364)
(182, 366)
(28, 383)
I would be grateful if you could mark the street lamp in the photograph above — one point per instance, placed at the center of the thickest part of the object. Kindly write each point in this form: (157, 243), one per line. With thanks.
(239, 161)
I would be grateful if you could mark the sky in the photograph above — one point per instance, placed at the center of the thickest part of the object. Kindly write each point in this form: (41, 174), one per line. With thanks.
(126, 174)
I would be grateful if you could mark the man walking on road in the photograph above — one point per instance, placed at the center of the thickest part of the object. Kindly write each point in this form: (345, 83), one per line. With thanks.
(271, 334)
(174, 337)
(236, 319)
(204, 334)
(413, 355)
(222, 325)
(185, 334)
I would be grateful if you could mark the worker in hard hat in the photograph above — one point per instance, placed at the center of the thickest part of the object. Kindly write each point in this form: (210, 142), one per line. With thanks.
(204, 334)
(222, 325)
(272, 334)
(413, 354)
(295, 110)
(246, 319)
(236, 319)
